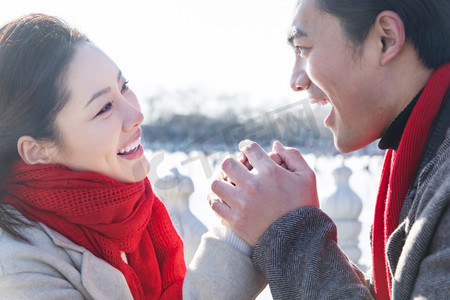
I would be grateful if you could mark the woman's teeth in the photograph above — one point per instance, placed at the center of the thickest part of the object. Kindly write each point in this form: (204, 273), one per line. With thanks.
(131, 148)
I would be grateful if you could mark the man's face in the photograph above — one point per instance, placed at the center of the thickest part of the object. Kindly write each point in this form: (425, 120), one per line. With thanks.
(331, 69)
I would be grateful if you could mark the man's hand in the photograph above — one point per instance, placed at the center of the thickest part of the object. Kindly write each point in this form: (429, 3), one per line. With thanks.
(261, 190)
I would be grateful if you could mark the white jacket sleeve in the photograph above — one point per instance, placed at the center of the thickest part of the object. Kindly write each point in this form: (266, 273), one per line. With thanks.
(222, 269)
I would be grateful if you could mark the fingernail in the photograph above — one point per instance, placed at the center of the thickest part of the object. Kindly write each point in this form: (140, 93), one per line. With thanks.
(244, 144)
(277, 145)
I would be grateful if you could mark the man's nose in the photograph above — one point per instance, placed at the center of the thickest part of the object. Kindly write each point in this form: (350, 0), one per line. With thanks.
(300, 81)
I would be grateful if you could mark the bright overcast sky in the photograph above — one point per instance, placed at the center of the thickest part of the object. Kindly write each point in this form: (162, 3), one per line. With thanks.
(227, 46)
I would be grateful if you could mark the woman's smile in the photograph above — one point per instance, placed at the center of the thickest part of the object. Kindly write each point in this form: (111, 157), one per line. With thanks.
(107, 114)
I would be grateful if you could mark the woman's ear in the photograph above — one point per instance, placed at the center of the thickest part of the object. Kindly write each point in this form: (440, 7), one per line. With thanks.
(32, 152)
(391, 34)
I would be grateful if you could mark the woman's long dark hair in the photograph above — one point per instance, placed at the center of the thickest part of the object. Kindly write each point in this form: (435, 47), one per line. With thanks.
(35, 51)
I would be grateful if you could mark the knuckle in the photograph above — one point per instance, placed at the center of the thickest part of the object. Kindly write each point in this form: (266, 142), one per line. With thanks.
(265, 172)
(244, 206)
(268, 170)
(252, 189)
(309, 176)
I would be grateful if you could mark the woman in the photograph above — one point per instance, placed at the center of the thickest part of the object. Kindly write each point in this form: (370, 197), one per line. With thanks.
(78, 216)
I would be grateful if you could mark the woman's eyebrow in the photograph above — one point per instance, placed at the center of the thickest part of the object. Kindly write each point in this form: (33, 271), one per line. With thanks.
(102, 91)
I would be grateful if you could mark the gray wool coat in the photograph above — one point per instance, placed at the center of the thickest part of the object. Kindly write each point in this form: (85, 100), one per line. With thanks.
(300, 258)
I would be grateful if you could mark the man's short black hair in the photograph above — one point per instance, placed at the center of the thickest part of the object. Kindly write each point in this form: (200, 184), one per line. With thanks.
(426, 22)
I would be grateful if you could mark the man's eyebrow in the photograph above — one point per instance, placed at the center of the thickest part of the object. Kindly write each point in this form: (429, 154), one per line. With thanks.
(293, 33)
(102, 91)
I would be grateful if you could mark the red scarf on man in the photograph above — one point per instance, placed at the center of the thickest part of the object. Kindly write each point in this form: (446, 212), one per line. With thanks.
(399, 171)
(106, 217)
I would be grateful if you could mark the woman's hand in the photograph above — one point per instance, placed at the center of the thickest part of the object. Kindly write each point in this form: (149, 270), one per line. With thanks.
(261, 188)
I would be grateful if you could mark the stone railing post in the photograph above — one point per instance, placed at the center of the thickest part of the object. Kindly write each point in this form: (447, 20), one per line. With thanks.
(174, 190)
(344, 207)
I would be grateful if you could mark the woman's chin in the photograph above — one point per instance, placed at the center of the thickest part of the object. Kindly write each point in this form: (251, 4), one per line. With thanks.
(140, 169)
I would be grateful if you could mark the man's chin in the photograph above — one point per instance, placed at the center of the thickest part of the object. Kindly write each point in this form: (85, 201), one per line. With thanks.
(344, 145)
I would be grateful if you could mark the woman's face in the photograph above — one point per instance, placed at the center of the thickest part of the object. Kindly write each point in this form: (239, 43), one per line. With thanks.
(100, 124)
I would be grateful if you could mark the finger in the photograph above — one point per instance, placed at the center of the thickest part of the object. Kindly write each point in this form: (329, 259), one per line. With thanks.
(291, 157)
(276, 158)
(242, 158)
(257, 157)
(219, 207)
(235, 171)
(224, 177)
(245, 162)
(225, 191)
(248, 165)
(213, 197)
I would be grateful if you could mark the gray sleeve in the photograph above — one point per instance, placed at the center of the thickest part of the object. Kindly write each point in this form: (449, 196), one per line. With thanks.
(433, 278)
(428, 242)
(300, 259)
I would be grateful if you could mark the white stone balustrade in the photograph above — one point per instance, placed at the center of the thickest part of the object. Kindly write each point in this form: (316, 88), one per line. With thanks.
(174, 190)
(344, 207)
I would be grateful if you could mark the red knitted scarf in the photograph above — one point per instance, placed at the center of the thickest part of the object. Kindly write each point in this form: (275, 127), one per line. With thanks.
(105, 217)
(399, 171)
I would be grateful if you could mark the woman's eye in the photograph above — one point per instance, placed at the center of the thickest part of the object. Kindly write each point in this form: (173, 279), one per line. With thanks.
(125, 86)
(106, 108)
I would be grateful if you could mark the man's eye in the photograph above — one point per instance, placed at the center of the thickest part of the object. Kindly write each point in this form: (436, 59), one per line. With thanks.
(106, 108)
(299, 50)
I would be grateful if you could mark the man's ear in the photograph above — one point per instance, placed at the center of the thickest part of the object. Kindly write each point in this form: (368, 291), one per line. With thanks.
(391, 33)
(32, 152)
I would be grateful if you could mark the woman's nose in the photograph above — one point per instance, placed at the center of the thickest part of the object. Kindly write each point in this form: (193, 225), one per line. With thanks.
(133, 116)
(300, 81)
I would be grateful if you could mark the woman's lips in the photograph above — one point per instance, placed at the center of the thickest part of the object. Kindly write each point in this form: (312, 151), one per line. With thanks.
(130, 148)
(133, 153)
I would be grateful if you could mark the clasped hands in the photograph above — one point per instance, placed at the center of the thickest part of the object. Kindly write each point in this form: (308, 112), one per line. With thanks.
(256, 191)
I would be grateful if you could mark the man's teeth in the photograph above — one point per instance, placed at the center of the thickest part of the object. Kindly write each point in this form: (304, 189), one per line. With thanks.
(322, 102)
(131, 147)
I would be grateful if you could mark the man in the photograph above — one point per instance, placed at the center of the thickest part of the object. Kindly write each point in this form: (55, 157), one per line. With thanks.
(384, 67)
